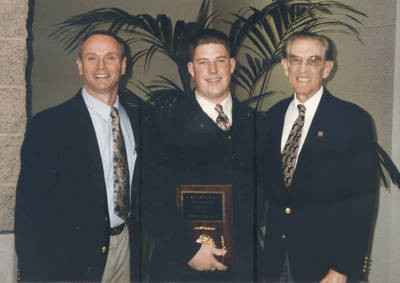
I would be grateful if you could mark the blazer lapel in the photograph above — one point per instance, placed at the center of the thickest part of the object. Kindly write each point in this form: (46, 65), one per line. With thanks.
(133, 107)
(317, 129)
(239, 116)
(89, 148)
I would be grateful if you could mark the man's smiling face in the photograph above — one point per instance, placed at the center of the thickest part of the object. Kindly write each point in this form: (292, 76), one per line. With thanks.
(101, 65)
(211, 69)
(306, 67)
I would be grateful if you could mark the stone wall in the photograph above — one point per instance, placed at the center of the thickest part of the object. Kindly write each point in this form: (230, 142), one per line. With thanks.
(13, 54)
(13, 57)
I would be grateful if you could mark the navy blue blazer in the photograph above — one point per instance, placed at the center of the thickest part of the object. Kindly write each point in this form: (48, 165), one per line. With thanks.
(61, 214)
(189, 148)
(325, 219)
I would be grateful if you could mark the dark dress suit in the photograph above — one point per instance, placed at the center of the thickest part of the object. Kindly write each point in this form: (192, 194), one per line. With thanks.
(332, 197)
(61, 215)
(189, 148)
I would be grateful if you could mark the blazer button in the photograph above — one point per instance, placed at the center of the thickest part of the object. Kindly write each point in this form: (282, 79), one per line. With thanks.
(103, 249)
(105, 219)
(288, 210)
(283, 236)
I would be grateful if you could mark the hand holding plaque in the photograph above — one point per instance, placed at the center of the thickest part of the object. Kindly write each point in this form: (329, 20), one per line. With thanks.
(209, 211)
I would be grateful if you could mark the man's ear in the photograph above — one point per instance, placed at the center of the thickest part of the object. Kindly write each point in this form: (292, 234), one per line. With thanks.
(190, 68)
(233, 64)
(327, 69)
(285, 66)
(123, 66)
(79, 63)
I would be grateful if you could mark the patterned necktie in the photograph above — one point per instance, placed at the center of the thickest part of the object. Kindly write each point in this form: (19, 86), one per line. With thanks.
(290, 151)
(120, 168)
(222, 120)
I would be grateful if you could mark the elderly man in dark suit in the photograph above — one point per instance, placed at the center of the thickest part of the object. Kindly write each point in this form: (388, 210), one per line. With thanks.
(206, 138)
(75, 203)
(318, 172)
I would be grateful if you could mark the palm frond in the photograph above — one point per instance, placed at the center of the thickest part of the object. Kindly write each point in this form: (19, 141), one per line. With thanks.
(162, 93)
(386, 162)
(259, 98)
(70, 31)
(267, 29)
(250, 74)
(260, 32)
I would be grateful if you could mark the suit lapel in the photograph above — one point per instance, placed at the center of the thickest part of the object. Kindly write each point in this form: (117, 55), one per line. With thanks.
(243, 125)
(89, 149)
(195, 118)
(238, 115)
(87, 134)
(133, 108)
(317, 128)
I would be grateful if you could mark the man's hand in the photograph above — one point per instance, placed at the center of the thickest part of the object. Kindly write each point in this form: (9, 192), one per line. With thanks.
(334, 277)
(204, 259)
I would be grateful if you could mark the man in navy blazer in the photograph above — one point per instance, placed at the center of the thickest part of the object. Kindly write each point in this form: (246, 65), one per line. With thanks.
(320, 212)
(66, 228)
(189, 147)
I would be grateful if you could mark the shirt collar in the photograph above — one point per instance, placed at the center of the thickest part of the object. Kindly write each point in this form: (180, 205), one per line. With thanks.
(98, 106)
(312, 103)
(205, 104)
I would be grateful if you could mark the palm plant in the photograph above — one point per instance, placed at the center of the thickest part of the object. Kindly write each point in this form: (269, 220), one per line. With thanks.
(263, 32)
(159, 35)
(258, 33)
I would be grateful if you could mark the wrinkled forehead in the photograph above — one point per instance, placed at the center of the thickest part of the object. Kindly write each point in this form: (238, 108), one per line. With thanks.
(307, 47)
(100, 43)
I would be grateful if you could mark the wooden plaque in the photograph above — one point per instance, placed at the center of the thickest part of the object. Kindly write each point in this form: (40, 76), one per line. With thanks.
(209, 211)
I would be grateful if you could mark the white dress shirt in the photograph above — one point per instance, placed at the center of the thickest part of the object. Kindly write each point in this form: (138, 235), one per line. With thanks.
(209, 107)
(292, 113)
(100, 115)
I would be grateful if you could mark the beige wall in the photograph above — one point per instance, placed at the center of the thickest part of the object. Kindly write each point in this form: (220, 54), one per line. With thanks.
(386, 250)
(364, 72)
(54, 73)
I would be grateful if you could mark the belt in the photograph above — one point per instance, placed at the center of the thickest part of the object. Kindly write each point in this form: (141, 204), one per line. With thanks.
(117, 229)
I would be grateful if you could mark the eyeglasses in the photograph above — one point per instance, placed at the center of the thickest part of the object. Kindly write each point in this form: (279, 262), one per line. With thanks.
(312, 61)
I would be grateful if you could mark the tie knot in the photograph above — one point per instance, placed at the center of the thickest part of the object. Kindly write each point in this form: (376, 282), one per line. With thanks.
(218, 108)
(302, 109)
(114, 112)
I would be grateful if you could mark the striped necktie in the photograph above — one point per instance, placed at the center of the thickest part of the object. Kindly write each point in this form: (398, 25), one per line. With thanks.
(222, 119)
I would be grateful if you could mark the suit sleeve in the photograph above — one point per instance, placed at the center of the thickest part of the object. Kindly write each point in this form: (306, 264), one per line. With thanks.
(347, 187)
(360, 180)
(33, 199)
